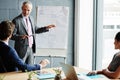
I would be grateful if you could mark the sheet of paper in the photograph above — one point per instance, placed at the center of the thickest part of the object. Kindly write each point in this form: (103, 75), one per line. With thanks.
(56, 37)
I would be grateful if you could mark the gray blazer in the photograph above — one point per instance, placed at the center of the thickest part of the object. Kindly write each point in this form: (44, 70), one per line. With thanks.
(20, 29)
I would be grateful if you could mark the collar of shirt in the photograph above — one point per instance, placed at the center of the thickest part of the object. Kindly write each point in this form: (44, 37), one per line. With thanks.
(6, 41)
(24, 16)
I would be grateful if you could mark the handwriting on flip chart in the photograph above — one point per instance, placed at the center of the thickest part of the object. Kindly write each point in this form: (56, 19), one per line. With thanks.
(56, 37)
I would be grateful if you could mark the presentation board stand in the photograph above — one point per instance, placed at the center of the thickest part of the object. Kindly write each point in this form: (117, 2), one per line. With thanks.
(54, 42)
(51, 53)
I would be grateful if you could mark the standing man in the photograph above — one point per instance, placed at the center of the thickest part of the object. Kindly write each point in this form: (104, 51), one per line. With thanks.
(24, 33)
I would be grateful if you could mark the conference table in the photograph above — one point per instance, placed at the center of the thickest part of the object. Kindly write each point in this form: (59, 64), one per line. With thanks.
(24, 75)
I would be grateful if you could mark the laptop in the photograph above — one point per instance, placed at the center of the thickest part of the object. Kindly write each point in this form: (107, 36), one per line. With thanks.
(71, 74)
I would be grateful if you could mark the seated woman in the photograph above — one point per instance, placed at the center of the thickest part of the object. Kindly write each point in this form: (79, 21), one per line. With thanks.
(113, 70)
(9, 59)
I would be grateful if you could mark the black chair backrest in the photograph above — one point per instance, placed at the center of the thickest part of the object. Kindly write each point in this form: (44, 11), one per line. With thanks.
(2, 67)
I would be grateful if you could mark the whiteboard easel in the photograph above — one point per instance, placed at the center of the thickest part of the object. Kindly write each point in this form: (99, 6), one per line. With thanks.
(54, 42)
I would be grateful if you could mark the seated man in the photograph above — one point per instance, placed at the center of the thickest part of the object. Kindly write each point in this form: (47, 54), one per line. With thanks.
(10, 61)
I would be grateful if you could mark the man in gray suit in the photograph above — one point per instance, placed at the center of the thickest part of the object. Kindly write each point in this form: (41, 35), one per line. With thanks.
(24, 33)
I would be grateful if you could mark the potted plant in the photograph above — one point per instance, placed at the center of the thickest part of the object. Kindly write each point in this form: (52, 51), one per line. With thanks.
(30, 74)
(58, 74)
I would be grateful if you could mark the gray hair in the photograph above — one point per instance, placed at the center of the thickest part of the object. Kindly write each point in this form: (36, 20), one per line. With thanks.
(27, 3)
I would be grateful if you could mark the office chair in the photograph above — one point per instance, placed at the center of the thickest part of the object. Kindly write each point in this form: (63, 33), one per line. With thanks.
(2, 67)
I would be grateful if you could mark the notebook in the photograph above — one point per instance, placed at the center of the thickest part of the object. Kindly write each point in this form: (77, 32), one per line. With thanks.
(71, 74)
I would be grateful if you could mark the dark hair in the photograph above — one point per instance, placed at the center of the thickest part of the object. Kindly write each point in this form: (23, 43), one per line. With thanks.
(117, 37)
(6, 29)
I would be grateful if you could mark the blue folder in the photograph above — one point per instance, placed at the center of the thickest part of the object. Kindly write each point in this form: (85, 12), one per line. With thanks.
(45, 76)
